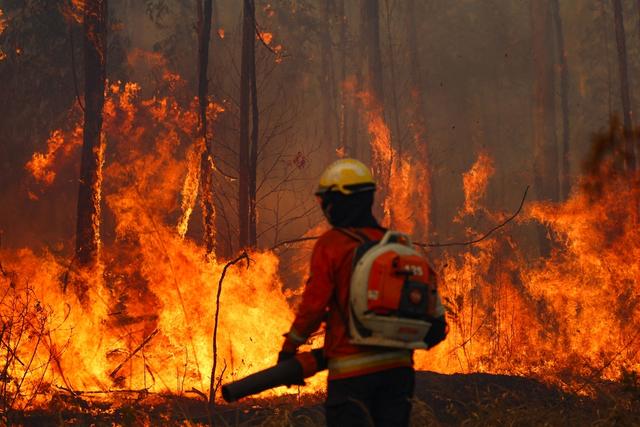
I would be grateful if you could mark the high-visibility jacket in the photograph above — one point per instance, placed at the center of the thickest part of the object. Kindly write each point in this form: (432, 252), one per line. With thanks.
(326, 296)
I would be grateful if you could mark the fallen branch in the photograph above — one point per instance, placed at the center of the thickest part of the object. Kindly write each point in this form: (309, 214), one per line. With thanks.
(484, 236)
(133, 353)
(212, 385)
(79, 392)
(291, 241)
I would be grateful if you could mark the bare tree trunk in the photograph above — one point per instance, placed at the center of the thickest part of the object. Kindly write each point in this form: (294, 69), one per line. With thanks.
(89, 191)
(545, 150)
(343, 120)
(371, 39)
(328, 81)
(394, 95)
(248, 58)
(565, 178)
(627, 114)
(253, 166)
(206, 169)
(420, 114)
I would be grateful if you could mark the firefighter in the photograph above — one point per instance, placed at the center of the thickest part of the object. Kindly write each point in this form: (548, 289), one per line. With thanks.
(366, 385)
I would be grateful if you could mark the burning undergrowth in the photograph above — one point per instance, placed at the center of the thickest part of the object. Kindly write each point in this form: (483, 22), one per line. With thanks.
(142, 319)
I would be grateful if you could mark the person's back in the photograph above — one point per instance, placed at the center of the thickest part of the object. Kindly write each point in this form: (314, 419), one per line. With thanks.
(366, 385)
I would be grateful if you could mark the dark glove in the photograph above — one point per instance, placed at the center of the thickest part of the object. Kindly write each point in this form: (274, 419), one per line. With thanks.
(437, 333)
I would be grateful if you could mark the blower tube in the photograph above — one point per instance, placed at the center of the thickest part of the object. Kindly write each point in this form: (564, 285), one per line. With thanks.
(288, 372)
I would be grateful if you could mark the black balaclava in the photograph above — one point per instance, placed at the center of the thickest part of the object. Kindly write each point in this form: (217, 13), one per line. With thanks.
(353, 210)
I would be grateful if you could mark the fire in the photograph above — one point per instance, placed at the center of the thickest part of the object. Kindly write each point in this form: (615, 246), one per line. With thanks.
(475, 181)
(399, 178)
(60, 144)
(146, 319)
(190, 186)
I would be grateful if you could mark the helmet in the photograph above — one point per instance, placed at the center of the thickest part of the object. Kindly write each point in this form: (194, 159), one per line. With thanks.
(348, 176)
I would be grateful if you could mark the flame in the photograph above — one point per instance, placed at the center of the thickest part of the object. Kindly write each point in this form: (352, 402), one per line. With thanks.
(145, 320)
(190, 186)
(394, 175)
(41, 165)
(151, 282)
(475, 181)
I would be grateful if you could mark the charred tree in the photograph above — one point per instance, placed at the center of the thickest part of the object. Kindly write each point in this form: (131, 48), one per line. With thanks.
(247, 69)
(545, 150)
(206, 161)
(90, 186)
(627, 114)
(565, 177)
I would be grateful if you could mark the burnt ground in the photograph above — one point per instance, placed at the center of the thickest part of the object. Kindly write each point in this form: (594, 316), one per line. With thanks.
(441, 400)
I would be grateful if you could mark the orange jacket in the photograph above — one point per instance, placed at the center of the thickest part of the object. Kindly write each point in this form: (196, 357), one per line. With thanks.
(326, 297)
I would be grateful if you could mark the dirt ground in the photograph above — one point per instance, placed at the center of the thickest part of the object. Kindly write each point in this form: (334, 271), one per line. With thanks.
(441, 400)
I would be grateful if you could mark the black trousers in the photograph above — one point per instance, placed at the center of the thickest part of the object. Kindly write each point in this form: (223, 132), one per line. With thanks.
(382, 399)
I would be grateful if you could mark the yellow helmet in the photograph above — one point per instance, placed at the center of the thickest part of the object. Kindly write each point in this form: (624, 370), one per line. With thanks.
(347, 176)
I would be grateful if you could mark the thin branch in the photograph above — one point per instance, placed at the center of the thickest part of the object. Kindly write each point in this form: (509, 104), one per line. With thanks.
(487, 234)
(430, 245)
(212, 385)
(292, 241)
(133, 353)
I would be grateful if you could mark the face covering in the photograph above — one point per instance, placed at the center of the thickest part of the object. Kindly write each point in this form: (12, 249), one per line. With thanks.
(349, 211)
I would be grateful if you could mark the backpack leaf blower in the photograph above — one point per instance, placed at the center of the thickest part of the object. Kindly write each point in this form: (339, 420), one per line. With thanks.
(288, 372)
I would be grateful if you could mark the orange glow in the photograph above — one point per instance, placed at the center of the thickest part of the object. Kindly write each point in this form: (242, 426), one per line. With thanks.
(475, 181)
(573, 313)
(41, 165)
(266, 37)
(161, 281)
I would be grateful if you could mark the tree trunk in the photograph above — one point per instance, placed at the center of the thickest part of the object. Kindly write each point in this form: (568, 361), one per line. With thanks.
(248, 58)
(206, 170)
(328, 81)
(420, 122)
(545, 150)
(253, 163)
(371, 40)
(89, 191)
(627, 114)
(343, 120)
(544, 122)
(565, 178)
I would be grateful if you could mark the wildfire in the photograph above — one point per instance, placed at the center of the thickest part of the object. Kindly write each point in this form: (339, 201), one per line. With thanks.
(146, 318)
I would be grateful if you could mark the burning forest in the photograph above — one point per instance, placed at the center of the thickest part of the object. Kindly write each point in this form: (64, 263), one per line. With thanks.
(158, 163)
